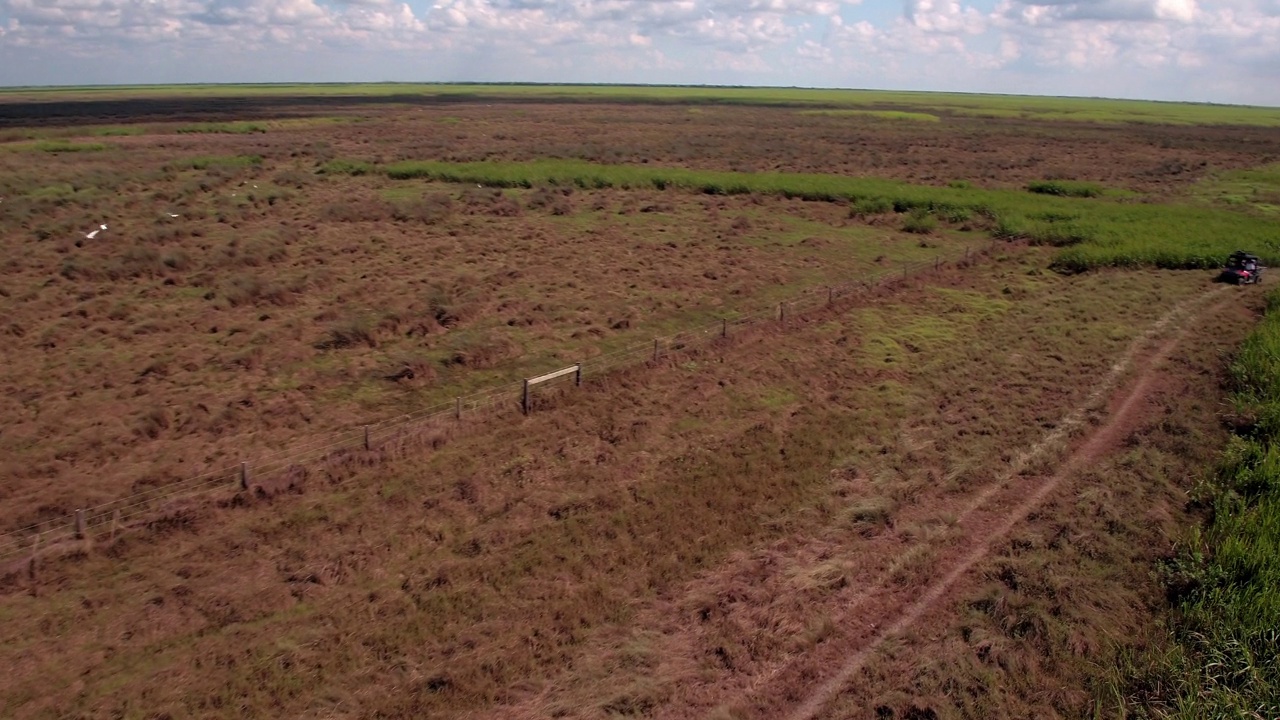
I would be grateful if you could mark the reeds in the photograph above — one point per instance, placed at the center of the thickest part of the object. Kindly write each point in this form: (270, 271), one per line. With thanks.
(1093, 230)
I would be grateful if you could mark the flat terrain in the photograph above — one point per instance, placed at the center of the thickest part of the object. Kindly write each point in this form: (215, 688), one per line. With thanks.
(919, 502)
(1000, 152)
(664, 540)
(230, 309)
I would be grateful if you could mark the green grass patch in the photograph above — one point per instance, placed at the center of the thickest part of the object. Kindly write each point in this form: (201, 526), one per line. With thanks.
(1106, 111)
(1255, 190)
(60, 194)
(776, 397)
(347, 167)
(1094, 232)
(877, 114)
(250, 127)
(1227, 583)
(232, 128)
(11, 135)
(980, 305)
(66, 146)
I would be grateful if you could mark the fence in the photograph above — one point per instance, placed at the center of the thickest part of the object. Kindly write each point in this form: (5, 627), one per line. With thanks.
(109, 518)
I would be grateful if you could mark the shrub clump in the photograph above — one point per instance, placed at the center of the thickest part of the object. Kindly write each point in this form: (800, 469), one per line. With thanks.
(349, 333)
(1011, 228)
(558, 202)
(863, 207)
(919, 222)
(1065, 188)
(253, 290)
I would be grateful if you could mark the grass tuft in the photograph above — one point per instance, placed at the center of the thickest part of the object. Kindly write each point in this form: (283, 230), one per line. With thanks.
(920, 222)
(347, 167)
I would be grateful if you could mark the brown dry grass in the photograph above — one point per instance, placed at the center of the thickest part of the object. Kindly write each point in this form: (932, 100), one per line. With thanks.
(1036, 626)
(269, 313)
(658, 544)
(634, 548)
(992, 152)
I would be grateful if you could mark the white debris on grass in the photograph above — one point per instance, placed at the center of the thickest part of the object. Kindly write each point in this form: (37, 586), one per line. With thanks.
(94, 233)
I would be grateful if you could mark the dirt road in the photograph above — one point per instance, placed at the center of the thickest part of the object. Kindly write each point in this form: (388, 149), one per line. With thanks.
(999, 509)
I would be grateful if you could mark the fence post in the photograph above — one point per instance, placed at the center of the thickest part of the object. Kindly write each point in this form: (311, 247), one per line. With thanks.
(724, 327)
(831, 294)
(35, 556)
(524, 400)
(366, 437)
(244, 476)
(655, 349)
(457, 409)
(115, 523)
(937, 262)
(577, 376)
(79, 524)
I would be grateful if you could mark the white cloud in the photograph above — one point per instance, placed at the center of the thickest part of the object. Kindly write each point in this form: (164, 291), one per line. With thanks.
(1104, 10)
(945, 16)
(1151, 33)
(1198, 49)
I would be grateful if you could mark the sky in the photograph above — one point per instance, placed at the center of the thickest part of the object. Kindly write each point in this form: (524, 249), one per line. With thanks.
(1225, 51)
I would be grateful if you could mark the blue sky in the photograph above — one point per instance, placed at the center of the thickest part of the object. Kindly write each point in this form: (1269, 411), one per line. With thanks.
(1198, 50)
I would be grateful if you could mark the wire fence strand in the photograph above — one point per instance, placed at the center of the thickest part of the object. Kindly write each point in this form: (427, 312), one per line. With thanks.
(120, 511)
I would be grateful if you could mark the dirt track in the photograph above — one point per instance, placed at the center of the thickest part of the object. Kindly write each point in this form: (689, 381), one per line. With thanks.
(807, 606)
(875, 605)
(995, 522)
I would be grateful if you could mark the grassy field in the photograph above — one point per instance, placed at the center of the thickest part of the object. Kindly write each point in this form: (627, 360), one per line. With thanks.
(238, 301)
(1089, 110)
(1097, 232)
(549, 568)
(699, 536)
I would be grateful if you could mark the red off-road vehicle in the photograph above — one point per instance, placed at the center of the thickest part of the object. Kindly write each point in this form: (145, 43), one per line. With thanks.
(1242, 268)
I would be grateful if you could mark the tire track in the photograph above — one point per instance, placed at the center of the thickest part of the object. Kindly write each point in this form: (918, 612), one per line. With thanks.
(1120, 420)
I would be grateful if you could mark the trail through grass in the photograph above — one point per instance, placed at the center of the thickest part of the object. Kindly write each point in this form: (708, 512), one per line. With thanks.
(1227, 582)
